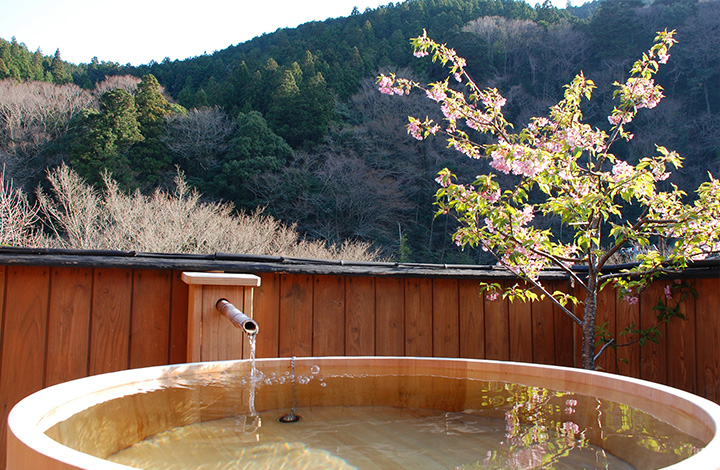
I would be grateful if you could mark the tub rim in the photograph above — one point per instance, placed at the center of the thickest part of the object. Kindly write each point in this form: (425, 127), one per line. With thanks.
(32, 416)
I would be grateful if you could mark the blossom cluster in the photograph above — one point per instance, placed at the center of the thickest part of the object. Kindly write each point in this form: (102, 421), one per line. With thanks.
(640, 90)
(391, 85)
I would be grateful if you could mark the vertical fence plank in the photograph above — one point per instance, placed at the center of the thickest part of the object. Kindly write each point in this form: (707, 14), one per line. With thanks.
(3, 432)
(446, 320)
(68, 324)
(418, 317)
(472, 319)
(329, 316)
(653, 357)
(543, 330)
(267, 314)
(563, 329)
(681, 345)
(3, 270)
(150, 324)
(579, 309)
(360, 316)
(628, 357)
(606, 316)
(521, 329)
(497, 337)
(296, 315)
(110, 322)
(389, 317)
(708, 339)
(24, 338)
(2, 317)
(178, 319)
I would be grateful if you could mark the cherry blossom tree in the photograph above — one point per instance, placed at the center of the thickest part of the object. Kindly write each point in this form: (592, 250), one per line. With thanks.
(566, 170)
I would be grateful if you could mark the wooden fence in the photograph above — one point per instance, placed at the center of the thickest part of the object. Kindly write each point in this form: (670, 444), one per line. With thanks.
(65, 322)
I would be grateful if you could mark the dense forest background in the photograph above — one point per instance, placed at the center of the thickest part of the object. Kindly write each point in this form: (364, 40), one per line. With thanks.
(292, 121)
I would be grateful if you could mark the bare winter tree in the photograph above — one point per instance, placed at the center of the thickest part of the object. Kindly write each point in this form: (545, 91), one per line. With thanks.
(347, 209)
(199, 138)
(17, 216)
(33, 113)
(128, 83)
(177, 221)
(512, 37)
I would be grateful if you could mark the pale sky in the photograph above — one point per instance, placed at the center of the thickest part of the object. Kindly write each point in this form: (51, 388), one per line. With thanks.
(138, 31)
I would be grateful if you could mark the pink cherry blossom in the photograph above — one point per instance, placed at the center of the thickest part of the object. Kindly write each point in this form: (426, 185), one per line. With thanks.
(631, 299)
(414, 130)
(436, 94)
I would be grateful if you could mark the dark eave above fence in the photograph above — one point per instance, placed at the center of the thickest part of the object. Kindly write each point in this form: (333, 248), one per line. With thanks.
(232, 262)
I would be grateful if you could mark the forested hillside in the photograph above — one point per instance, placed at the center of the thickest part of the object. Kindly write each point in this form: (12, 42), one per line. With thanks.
(292, 120)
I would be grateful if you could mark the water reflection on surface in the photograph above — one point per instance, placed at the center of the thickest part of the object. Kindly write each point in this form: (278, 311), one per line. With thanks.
(366, 438)
(350, 421)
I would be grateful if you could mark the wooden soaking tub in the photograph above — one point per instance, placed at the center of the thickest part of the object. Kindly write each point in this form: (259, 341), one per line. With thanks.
(540, 412)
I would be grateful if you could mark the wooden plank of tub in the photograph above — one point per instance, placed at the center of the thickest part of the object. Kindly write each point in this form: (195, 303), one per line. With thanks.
(708, 339)
(653, 357)
(521, 330)
(389, 317)
(446, 321)
(419, 311)
(328, 316)
(267, 314)
(296, 315)
(68, 324)
(472, 319)
(24, 338)
(497, 334)
(110, 321)
(360, 316)
(150, 324)
(178, 318)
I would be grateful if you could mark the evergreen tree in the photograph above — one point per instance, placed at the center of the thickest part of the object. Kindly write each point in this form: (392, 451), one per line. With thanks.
(254, 149)
(99, 139)
(57, 69)
(301, 113)
(616, 29)
(149, 159)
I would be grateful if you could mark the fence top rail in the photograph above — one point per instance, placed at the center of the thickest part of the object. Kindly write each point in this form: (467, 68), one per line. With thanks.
(234, 262)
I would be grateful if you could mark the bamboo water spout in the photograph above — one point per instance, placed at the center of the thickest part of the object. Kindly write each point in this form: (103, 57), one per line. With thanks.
(238, 318)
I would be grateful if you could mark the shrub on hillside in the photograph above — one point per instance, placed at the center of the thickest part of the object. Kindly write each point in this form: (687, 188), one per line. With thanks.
(77, 215)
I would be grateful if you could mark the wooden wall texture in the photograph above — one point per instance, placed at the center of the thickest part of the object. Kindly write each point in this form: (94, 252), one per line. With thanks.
(62, 323)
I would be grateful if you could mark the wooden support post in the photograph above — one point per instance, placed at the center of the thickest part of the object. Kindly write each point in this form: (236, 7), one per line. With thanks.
(211, 336)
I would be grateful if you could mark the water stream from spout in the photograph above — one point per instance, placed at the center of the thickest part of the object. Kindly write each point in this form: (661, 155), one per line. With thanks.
(251, 423)
(254, 375)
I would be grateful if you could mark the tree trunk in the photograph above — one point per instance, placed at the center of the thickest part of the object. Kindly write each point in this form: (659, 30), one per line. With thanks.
(588, 326)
